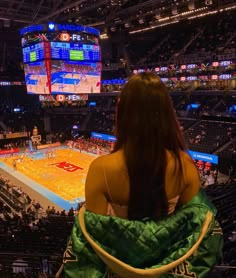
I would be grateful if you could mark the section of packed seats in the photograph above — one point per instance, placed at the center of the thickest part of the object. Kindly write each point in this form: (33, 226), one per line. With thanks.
(223, 197)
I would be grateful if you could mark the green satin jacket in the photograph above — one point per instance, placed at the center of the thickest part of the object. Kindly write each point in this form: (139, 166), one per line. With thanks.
(188, 243)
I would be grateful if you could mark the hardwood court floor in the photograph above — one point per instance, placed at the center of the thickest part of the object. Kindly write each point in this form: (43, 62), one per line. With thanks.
(64, 175)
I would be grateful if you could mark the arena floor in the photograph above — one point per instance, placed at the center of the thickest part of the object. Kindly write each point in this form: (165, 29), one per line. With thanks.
(61, 179)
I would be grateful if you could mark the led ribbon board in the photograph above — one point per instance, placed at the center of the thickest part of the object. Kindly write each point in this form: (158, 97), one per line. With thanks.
(206, 157)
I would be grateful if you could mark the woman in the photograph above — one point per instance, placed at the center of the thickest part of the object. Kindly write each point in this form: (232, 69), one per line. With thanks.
(139, 186)
(149, 170)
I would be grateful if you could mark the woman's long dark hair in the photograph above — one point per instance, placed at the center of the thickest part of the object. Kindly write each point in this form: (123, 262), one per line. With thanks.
(146, 126)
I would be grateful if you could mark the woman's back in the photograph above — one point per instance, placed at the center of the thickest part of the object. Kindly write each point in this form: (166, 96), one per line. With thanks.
(112, 182)
(140, 173)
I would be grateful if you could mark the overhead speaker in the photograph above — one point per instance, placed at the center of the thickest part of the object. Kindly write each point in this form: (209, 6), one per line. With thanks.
(174, 10)
(208, 2)
(191, 5)
(157, 14)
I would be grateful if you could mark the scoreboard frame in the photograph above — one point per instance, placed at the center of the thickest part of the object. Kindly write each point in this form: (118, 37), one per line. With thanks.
(50, 76)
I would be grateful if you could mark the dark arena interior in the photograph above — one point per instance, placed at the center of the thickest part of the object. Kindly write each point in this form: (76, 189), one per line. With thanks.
(61, 116)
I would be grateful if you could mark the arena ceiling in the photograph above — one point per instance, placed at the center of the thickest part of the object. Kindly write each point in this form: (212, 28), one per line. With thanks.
(111, 15)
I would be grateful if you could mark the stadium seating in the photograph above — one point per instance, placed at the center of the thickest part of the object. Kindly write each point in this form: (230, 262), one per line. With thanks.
(228, 159)
(30, 247)
(208, 136)
(224, 198)
(203, 38)
(31, 242)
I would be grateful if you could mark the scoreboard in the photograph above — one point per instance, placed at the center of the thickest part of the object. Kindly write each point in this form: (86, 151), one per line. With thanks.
(61, 59)
(75, 51)
(62, 51)
(33, 53)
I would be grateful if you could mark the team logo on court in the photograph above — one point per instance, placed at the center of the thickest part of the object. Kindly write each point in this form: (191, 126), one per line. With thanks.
(67, 166)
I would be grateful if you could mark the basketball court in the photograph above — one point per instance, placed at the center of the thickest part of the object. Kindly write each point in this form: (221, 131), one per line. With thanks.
(61, 179)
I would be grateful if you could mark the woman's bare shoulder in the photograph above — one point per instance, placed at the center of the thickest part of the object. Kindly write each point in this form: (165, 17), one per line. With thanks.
(185, 157)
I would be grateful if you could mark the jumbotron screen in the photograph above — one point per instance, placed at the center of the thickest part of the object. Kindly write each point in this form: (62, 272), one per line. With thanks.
(67, 77)
(75, 77)
(66, 62)
(36, 78)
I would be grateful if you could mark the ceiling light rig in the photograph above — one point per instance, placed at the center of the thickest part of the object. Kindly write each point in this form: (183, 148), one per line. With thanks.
(202, 14)
(153, 27)
(195, 13)
(156, 16)
(229, 8)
